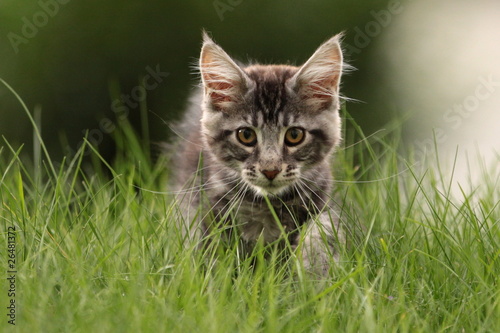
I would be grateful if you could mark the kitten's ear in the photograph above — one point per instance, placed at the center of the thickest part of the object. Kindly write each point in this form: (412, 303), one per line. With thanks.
(224, 82)
(317, 81)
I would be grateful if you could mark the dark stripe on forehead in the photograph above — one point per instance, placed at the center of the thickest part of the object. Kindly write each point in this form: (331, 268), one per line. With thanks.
(270, 99)
(255, 119)
(286, 119)
(270, 94)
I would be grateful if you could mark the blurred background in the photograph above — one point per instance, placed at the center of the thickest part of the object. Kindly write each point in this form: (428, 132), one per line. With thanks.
(433, 64)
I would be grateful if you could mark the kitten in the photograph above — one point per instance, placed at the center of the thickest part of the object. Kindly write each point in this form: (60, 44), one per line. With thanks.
(263, 131)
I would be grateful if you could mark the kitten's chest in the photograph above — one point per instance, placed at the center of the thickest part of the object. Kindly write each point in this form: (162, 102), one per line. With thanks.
(252, 223)
(254, 220)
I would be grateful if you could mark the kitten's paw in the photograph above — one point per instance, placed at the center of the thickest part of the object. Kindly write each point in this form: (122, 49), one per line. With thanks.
(318, 262)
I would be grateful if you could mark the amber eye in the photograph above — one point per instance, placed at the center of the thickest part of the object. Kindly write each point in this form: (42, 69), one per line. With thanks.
(247, 136)
(294, 136)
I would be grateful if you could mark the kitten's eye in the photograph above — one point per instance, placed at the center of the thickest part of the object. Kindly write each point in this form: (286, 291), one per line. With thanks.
(294, 136)
(247, 136)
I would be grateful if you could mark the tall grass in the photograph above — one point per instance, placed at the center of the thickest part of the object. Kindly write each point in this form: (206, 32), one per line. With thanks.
(98, 250)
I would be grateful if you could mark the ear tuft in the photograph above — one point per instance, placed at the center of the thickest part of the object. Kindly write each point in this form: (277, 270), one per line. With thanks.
(318, 80)
(224, 82)
(206, 37)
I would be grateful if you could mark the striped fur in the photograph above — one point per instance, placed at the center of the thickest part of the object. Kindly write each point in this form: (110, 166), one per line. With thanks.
(269, 100)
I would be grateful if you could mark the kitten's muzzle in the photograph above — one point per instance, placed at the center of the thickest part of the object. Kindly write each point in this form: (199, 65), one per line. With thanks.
(270, 174)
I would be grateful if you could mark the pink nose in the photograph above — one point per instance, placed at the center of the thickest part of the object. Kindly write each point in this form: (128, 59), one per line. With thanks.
(270, 174)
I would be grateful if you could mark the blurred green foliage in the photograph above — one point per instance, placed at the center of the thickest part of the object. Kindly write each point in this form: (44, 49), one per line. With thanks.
(77, 57)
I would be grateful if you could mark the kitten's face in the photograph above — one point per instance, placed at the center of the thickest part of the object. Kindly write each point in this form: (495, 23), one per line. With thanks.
(270, 124)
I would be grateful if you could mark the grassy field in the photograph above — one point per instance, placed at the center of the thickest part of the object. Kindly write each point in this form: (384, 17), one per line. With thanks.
(97, 250)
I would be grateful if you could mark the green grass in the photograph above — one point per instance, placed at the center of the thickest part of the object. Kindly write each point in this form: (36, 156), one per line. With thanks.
(98, 251)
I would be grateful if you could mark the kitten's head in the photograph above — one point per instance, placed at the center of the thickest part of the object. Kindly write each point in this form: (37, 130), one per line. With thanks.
(270, 124)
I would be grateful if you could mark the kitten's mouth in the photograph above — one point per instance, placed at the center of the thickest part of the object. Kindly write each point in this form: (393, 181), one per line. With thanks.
(270, 188)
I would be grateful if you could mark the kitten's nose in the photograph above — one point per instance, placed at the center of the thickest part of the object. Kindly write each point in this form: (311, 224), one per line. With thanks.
(271, 174)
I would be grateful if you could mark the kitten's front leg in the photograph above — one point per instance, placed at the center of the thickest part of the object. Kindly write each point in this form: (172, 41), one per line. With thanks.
(319, 244)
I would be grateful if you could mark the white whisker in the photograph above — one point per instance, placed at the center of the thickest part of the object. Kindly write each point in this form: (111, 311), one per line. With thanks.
(174, 131)
(305, 189)
(326, 203)
(206, 186)
(222, 198)
(364, 139)
(362, 181)
(298, 189)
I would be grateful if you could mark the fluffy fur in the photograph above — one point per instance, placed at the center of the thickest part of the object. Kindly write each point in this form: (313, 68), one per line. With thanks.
(271, 105)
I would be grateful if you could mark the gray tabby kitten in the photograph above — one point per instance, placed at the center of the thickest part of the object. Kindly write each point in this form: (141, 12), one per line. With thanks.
(263, 131)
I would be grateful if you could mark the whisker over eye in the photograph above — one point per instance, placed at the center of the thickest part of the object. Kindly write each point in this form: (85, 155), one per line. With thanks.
(247, 136)
(294, 136)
